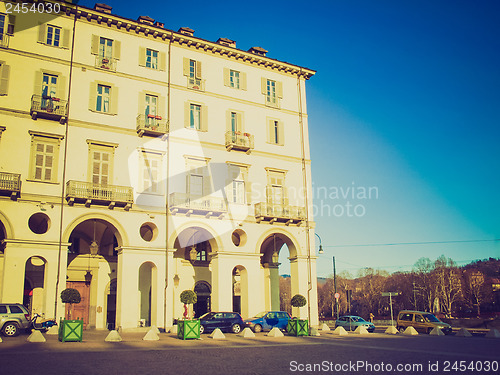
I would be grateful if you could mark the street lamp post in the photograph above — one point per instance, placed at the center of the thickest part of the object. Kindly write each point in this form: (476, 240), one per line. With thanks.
(320, 251)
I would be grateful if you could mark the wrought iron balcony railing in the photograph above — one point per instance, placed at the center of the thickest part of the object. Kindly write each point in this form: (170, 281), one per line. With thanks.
(48, 107)
(196, 84)
(208, 206)
(10, 184)
(151, 125)
(106, 195)
(239, 141)
(279, 212)
(107, 63)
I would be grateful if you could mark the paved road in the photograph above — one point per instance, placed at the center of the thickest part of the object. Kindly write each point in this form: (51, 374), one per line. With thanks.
(327, 354)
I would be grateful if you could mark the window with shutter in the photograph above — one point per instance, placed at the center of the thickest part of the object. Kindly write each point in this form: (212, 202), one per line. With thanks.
(53, 37)
(44, 156)
(2, 25)
(151, 59)
(234, 79)
(4, 78)
(103, 98)
(101, 166)
(151, 174)
(195, 116)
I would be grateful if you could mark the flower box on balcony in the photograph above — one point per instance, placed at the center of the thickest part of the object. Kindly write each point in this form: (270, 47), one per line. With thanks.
(246, 134)
(158, 117)
(56, 99)
(151, 116)
(105, 60)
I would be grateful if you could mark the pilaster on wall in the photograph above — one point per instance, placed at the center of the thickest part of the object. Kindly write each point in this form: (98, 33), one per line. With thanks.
(222, 293)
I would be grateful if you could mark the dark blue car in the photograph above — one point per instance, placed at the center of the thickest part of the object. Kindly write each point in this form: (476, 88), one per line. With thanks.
(225, 321)
(267, 320)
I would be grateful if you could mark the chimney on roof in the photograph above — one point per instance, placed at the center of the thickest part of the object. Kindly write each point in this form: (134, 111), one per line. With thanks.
(227, 42)
(146, 20)
(186, 31)
(160, 24)
(105, 8)
(258, 51)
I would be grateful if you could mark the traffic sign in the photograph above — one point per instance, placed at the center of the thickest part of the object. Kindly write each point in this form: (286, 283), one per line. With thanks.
(336, 295)
(389, 294)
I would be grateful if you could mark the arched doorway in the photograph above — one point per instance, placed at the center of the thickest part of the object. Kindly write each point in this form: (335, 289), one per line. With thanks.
(92, 264)
(240, 290)
(147, 294)
(111, 305)
(202, 305)
(34, 285)
(278, 290)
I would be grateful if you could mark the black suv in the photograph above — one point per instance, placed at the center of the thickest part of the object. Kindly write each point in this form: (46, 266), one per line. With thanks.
(225, 321)
(13, 318)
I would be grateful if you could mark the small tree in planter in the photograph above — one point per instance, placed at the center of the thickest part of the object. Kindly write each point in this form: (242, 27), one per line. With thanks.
(70, 330)
(188, 329)
(71, 296)
(296, 326)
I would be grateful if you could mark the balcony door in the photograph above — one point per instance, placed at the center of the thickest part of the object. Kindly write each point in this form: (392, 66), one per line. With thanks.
(151, 110)
(49, 90)
(195, 186)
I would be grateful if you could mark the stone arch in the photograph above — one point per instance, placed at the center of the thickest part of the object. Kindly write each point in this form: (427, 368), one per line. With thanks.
(286, 237)
(148, 291)
(6, 227)
(35, 274)
(212, 237)
(203, 291)
(120, 232)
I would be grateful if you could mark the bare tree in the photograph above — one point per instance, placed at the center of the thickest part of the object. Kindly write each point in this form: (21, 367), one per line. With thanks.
(448, 283)
(425, 287)
(474, 289)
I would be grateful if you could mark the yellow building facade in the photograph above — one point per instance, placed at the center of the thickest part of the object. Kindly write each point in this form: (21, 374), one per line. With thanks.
(137, 162)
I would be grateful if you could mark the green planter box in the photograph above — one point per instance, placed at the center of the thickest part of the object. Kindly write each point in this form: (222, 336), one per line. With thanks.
(188, 329)
(297, 327)
(70, 330)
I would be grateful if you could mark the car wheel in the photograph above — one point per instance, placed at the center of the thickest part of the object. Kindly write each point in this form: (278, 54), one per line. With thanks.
(257, 328)
(202, 329)
(429, 330)
(236, 328)
(10, 329)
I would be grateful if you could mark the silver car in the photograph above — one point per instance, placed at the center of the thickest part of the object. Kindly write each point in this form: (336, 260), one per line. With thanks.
(13, 318)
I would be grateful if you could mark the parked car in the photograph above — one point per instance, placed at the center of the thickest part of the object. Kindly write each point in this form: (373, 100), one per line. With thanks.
(225, 321)
(13, 318)
(351, 322)
(422, 321)
(267, 320)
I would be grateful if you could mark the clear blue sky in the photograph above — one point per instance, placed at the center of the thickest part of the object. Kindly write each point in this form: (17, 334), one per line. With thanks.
(406, 100)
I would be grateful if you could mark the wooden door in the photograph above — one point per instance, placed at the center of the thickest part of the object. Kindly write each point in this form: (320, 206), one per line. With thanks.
(80, 310)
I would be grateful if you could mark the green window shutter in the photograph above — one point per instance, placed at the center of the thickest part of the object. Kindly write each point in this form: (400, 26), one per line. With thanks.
(204, 118)
(162, 107)
(65, 39)
(11, 25)
(38, 83)
(269, 194)
(117, 47)
(248, 189)
(162, 61)
(281, 133)
(142, 103)
(4, 79)
(207, 186)
(142, 56)
(94, 48)
(187, 113)
(243, 80)
(226, 76)
(239, 119)
(270, 130)
(228, 120)
(61, 87)
(279, 89)
(93, 96)
(42, 32)
(263, 86)
(114, 100)
(198, 69)
(185, 66)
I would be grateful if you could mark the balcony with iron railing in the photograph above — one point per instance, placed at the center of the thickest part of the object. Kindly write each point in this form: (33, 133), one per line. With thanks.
(279, 212)
(89, 193)
(206, 205)
(239, 141)
(48, 107)
(10, 184)
(106, 63)
(151, 125)
(4, 40)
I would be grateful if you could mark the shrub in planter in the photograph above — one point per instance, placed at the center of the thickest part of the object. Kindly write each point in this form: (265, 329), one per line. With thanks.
(70, 330)
(188, 328)
(298, 327)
